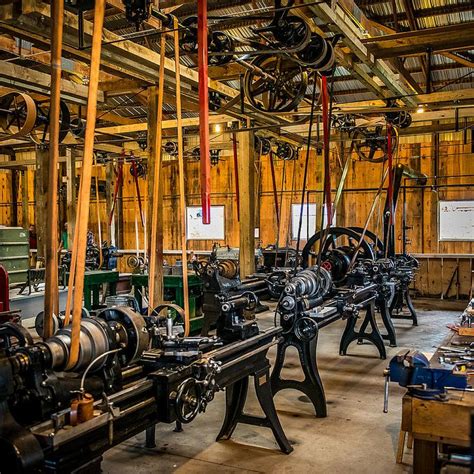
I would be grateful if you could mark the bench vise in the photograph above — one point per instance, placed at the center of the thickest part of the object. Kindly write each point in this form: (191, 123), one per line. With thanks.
(411, 369)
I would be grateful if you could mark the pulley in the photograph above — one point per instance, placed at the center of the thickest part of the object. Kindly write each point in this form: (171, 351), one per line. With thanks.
(217, 41)
(285, 151)
(274, 84)
(318, 54)
(139, 170)
(78, 127)
(262, 145)
(171, 148)
(343, 122)
(289, 31)
(40, 132)
(17, 114)
(399, 119)
(137, 11)
(371, 144)
(337, 250)
(14, 335)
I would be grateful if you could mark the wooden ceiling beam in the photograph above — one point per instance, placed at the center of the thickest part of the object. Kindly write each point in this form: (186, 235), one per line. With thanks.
(340, 22)
(22, 78)
(442, 38)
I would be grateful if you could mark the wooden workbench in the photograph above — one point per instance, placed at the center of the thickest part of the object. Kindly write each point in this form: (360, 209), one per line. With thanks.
(431, 423)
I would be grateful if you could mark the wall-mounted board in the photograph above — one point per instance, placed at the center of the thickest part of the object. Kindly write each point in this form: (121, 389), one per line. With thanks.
(456, 220)
(196, 230)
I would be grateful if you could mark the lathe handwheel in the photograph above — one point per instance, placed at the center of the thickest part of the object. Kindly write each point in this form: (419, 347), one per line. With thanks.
(188, 400)
(305, 329)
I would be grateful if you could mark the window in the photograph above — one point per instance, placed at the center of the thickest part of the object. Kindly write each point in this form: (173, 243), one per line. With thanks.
(196, 230)
(456, 220)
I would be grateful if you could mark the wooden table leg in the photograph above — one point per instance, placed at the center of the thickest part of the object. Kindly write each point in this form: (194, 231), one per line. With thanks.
(425, 457)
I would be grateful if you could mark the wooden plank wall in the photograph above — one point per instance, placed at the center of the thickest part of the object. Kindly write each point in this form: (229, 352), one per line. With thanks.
(455, 159)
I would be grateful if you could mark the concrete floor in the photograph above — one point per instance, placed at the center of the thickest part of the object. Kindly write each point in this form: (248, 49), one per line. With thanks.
(356, 437)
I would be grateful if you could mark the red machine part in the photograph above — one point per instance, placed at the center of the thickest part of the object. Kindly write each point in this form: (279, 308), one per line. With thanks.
(204, 113)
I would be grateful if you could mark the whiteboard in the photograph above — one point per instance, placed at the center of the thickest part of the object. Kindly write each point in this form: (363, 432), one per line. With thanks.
(196, 230)
(456, 220)
(310, 222)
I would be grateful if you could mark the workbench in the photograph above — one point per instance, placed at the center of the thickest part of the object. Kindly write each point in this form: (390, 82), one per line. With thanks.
(173, 288)
(93, 281)
(431, 423)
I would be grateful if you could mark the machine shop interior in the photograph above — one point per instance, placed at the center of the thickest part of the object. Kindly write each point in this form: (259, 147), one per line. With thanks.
(236, 236)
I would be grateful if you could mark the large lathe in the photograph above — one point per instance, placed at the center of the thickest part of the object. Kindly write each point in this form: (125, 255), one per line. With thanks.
(310, 302)
(133, 372)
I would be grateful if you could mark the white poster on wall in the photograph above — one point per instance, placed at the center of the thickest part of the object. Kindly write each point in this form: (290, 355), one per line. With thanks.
(196, 230)
(311, 220)
(456, 220)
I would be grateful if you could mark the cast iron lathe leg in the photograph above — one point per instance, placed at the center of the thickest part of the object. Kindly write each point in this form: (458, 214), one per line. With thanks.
(402, 297)
(411, 308)
(388, 323)
(350, 334)
(150, 437)
(312, 385)
(236, 395)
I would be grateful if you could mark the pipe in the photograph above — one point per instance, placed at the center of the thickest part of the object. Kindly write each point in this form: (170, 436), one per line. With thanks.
(82, 218)
(205, 159)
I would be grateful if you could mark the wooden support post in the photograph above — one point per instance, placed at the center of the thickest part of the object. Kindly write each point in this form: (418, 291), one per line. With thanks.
(247, 205)
(109, 196)
(155, 186)
(70, 194)
(14, 189)
(41, 199)
(51, 294)
(25, 217)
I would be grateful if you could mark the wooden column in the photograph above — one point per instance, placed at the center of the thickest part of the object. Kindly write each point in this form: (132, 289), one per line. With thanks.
(41, 198)
(25, 219)
(246, 204)
(109, 196)
(14, 188)
(70, 194)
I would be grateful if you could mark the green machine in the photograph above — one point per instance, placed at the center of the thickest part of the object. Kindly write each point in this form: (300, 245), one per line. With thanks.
(173, 288)
(14, 253)
(93, 281)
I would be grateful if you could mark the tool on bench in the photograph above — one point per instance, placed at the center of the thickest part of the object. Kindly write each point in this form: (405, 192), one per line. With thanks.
(411, 369)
